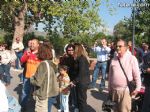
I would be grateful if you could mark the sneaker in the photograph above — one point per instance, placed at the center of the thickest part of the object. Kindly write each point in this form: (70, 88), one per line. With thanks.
(95, 89)
(101, 89)
(90, 86)
(76, 110)
(23, 109)
(59, 110)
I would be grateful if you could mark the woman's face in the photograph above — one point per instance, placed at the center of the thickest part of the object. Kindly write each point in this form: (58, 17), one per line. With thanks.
(62, 71)
(70, 51)
(2, 47)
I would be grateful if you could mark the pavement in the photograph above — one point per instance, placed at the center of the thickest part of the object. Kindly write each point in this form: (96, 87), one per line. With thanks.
(94, 97)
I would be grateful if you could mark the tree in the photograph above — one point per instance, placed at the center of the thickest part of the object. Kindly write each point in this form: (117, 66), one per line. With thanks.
(123, 30)
(143, 19)
(68, 17)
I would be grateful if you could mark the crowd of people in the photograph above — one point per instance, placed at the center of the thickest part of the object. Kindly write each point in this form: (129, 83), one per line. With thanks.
(45, 78)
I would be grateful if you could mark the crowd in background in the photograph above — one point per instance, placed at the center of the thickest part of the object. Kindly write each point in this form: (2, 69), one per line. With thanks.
(68, 76)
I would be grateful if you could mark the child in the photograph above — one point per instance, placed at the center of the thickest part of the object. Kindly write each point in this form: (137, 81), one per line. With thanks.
(3, 98)
(64, 84)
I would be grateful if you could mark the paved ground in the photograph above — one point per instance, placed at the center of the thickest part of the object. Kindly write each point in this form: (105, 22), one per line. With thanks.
(94, 100)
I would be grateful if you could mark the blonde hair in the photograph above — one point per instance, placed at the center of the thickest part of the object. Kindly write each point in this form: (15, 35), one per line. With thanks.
(80, 50)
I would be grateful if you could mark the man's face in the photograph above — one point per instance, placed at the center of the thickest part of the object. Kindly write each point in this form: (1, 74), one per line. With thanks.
(29, 43)
(17, 39)
(103, 42)
(70, 51)
(121, 48)
(34, 45)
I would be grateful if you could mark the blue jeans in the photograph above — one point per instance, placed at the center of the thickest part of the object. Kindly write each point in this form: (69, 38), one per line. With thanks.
(64, 102)
(25, 91)
(19, 55)
(51, 101)
(5, 72)
(99, 66)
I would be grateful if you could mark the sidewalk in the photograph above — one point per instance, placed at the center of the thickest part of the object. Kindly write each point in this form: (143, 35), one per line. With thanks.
(94, 98)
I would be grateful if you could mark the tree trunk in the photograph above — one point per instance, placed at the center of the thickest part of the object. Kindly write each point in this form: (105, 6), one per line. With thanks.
(20, 23)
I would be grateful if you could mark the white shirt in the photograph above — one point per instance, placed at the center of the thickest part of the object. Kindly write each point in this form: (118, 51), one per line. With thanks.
(102, 53)
(5, 57)
(3, 98)
(17, 46)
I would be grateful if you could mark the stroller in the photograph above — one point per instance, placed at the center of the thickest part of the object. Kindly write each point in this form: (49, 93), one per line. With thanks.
(137, 102)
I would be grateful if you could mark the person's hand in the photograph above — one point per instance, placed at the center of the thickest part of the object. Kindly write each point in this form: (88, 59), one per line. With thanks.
(72, 84)
(134, 93)
(56, 61)
(148, 70)
(95, 44)
(28, 52)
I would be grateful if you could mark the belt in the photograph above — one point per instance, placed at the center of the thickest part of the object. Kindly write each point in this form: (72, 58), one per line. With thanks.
(102, 61)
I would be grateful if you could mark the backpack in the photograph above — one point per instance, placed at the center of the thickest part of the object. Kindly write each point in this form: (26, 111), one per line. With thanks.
(13, 105)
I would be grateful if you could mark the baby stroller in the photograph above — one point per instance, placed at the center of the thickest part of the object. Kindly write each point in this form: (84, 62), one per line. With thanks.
(137, 102)
(108, 105)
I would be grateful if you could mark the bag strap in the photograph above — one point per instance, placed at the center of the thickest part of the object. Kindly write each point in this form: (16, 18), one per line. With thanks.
(48, 72)
(123, 71)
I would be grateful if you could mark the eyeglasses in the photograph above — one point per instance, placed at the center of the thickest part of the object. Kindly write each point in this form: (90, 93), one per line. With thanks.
(119, 46)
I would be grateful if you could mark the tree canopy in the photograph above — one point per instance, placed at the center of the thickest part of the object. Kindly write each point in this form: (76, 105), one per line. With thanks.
(66, 16)
(142, 20)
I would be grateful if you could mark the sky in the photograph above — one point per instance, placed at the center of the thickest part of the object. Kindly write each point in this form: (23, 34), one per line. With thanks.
(119, 12)
(109, 20)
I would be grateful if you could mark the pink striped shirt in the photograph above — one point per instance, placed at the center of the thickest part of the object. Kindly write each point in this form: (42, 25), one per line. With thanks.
(117, 79)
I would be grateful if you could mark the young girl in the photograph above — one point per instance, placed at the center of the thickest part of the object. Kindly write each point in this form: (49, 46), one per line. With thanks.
(64, 84)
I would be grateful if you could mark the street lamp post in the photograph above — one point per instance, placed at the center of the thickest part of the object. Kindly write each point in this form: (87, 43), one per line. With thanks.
(133, 31)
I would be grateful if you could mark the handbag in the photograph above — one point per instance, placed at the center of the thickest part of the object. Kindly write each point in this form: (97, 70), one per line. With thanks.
(131, 84)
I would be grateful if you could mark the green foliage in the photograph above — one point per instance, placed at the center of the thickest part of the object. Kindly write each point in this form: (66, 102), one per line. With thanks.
(123, 30)
(8, 39)
(1, 39)
(30, 36)
(58, 42)
(70, 17)
(142, 21)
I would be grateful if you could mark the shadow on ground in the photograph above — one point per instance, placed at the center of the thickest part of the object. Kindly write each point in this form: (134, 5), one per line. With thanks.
(99, 95)
(31, 102)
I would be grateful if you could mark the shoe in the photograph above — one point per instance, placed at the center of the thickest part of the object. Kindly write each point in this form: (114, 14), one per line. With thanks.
(17, 70)
(23, 109)
(95, 89)
(76, 110)
(101, 89)
(90, 86)
(59, 110)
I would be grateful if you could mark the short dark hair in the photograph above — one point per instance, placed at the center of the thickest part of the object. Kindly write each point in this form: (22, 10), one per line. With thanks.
(64, 67)
(70, 46)
(125, 43)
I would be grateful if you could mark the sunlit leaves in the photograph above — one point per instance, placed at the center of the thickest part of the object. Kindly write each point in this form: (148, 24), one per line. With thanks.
(69, 16)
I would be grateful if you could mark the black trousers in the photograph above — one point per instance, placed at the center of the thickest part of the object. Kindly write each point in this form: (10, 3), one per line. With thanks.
(81, 91)
(146, 103)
